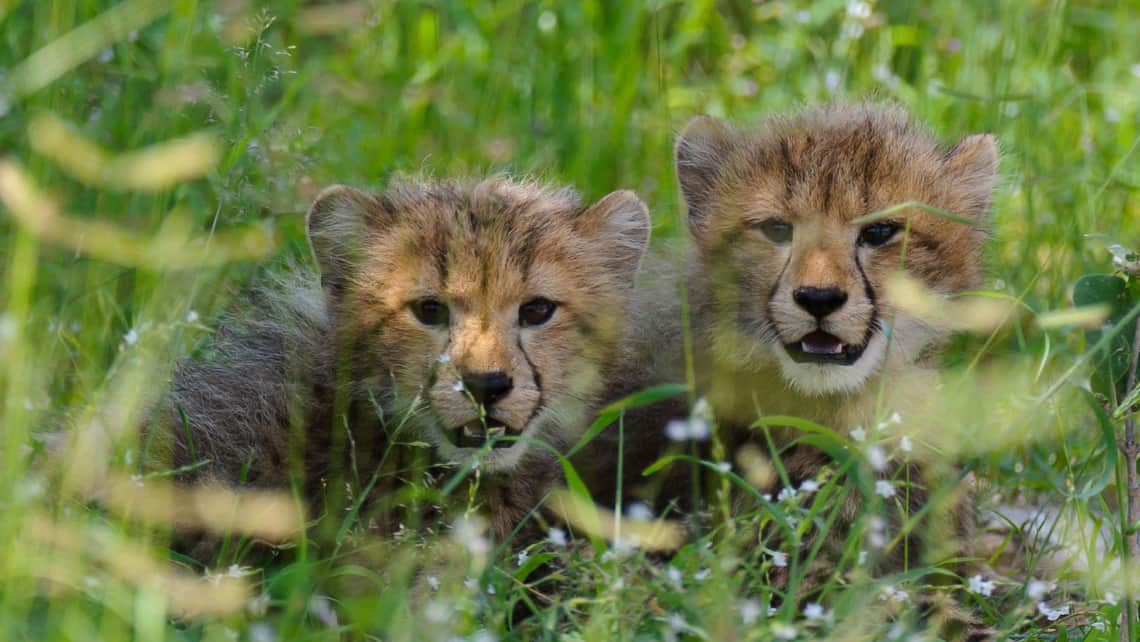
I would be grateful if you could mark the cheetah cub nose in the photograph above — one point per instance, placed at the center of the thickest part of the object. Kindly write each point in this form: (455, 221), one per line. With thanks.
(487, 387)
(819, 302)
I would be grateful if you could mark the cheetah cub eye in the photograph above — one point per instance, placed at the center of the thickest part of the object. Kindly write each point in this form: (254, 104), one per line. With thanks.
(877, 234)
(777, 230)
(430, 312)
(536, 312)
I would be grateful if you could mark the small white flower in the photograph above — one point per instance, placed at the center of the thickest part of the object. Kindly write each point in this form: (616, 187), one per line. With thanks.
(1037, 589)
(470, 583)
(1099, 626)
(457, 386)
(490, 589)
(895, 419)
(1111, 598)
(547, 21)
(884, 488)
(1136, 70)
(786, 493)
(813, 611)
(699, 429)
(556, 536)
(677, 622)
(639, 512)
(235, 571)
(1052, 614)
(484, 635)
(433, 582)
(905, 444)
(702, 575)
(749, 611)
(894, 593)
(803, 17)
(444, 357)
(437, 612)
(784, 631)
(778, 559)
(858, 9)
(107, 55)
(677, 429)
(831, 80)
(1111, 115)
(772, 611)
(876, 532)
(469, 532)
(809, 486)
(858, 433)
(862, 558)
(674, 574)
(262, 632)
(724, 466)
(522, 557)
(192, 316)
(131, 337)
(981, 586)
(876, 458)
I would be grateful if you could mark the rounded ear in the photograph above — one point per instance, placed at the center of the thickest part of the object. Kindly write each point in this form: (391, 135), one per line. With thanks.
(702, 148)
(620, 221)
(335, 225)
(971, 166)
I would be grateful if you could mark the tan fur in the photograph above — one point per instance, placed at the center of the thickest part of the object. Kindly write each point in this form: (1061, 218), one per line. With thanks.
(329, 380)
(818, 171)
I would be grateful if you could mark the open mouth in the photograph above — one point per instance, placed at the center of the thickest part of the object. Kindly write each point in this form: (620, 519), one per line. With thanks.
(821, 347)
(477, 432)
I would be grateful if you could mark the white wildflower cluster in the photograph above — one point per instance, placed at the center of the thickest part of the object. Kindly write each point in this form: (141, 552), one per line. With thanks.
(893, 594)
(778, 559)
(470, 532)
(698, 426)
(981, 586)
(1052, 614)
(639, 512)
(749, 611)
(557, 537)
(884, 488)
(876, 533)
(522, 557)
(1036, 589)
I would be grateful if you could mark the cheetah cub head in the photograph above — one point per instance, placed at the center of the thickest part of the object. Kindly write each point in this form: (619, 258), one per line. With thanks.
(796, 281)
(485, 312)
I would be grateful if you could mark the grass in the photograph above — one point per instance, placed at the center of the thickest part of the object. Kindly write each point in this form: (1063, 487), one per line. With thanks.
(268, 102)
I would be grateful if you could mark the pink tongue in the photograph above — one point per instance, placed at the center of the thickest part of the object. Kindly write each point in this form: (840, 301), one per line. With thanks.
(821, 343)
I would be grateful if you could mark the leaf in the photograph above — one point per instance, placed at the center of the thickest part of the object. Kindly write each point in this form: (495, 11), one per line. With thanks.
(531, 563)
(1111, 365)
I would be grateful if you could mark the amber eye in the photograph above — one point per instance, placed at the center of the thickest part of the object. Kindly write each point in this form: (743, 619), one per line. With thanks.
(430, 311)
(536, 312)
(777, 230)
(877, 234)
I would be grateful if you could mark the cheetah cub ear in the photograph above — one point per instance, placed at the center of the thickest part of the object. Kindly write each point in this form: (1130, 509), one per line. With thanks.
(971, 167)
(702, 148)
(620, 223)
(336, 225)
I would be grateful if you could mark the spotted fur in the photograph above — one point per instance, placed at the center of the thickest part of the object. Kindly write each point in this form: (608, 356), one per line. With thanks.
(332, 377)
(818, 171)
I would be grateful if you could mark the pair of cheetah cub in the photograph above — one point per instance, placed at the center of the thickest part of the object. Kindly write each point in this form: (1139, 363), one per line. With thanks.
(483, 324)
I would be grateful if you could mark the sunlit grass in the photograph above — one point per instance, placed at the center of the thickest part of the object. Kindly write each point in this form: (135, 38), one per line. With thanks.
(155, 154)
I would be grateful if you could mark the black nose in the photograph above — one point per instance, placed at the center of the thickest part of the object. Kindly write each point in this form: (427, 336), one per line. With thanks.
(487, 387)
(820, 302)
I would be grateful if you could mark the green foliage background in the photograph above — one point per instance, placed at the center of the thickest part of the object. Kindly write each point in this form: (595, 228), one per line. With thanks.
(589, 93)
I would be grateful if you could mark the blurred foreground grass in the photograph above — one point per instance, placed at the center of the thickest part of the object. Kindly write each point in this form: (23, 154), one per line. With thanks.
(154, 153)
